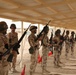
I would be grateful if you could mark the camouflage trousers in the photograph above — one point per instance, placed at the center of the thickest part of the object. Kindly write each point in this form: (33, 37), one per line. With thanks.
(4, 68)
(72, 45)
(56, 57)
(61, 47)
(14, 59)
(45, 51)
(34, 59)
(67, 48)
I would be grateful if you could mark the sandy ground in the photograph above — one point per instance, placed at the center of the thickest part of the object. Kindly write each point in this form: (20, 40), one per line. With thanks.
(68, 66)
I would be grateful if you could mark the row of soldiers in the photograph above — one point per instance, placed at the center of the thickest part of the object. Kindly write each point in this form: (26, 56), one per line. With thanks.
(55, 43)
(12, 38)
(61, 40)
(70, 43)
(6, 43)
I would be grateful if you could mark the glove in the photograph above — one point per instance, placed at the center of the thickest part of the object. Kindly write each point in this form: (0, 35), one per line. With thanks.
(10, 58)
(16, 46)
(6, 46)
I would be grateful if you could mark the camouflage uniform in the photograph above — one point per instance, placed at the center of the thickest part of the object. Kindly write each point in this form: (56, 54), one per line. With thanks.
(35, 45)
(61, 41)
(72, 43)
(56, 51)
(13, 38)
(57, 48)
(45, 50)
(67, 45)
(4, 64)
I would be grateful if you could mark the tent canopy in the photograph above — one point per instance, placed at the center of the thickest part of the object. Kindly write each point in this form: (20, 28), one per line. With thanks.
(62, 13)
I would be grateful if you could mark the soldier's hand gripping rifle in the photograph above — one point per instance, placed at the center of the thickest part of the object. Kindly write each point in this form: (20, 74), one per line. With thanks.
(15, 46)
(31, 49)
(38, 36)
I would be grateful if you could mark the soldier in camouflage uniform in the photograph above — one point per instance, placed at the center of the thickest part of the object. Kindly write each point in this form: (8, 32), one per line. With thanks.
(13, 38)
(4, 64)
(35, 45)
(57, 49)
(45, 50)
(67, 44)
(61, 43)
(72, 43)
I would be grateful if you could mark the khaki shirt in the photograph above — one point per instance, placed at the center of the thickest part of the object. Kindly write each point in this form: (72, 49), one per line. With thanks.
(67, 39)
(13, 37)
(45, 41)
(32, 42)
(57, 40)
(3, 41)
(73, 40)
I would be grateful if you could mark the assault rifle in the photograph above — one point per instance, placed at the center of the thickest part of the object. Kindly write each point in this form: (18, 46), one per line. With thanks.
(15, 46)
(51, 41)
(31, 49)
(62, 38)
(38, 36)
(51, 37)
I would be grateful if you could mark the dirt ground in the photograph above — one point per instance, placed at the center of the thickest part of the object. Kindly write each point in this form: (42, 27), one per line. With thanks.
(68, 66)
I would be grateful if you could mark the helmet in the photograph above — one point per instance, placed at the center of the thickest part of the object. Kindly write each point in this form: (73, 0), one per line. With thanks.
(33, 27)
(58, 31)
(67, 32)
(46, 29)
(3, 26)
(13, 25)
(72, 32)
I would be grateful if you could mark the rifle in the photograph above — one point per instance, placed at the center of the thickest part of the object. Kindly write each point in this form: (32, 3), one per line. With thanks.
(15, 46)
(31, 49)
(38, 36)
(51, 41)
(51, 37)
(62, 38)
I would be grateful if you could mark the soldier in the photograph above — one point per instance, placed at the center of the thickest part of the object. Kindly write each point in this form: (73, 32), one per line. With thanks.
(72, 43)
(61, 41)
(57, 48)
(67, 44)
(4, 64)
(13, 38)
(35, 45)
(45, 49)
